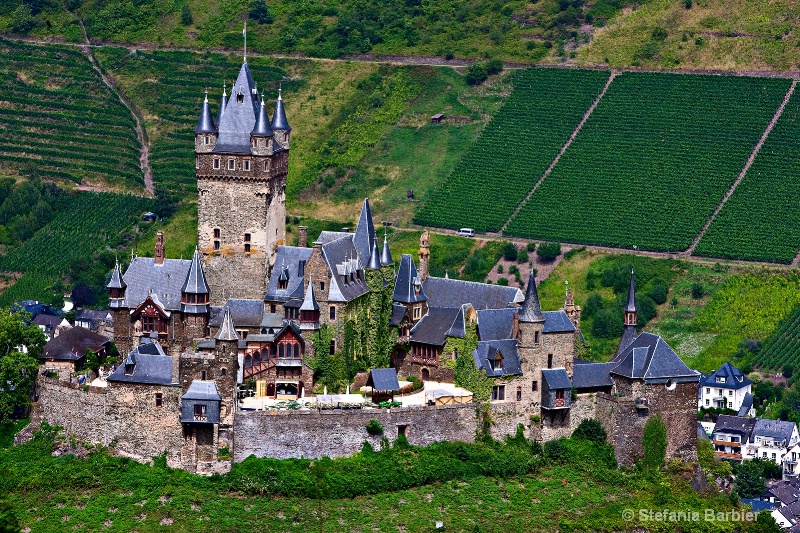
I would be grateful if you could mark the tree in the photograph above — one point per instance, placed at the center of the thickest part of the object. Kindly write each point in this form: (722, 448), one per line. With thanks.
(654, 443)
(476, 73)
(17, 368)
(186, 15)
(548, 251)
(22, 19)
(750, 480)
(494, 66)
(607, 323)
(260, 12)
(510, 251)
(8, 520)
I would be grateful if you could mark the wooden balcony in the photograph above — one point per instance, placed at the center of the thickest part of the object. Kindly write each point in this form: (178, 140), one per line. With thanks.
(727, 443)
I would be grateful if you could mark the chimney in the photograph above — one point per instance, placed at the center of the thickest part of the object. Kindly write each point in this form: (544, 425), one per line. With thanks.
(159, 248)
(424, 255)
(302, 236)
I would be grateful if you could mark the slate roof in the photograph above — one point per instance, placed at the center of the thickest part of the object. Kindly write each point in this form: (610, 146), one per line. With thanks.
(148, 368)
(488, 349)
(734, 378)
(735, 424)
(364, 237)
(592, 375)
(205, 123)
(495, 324)
(227, 331)
(650, 358)
(339, 255)
(71, 344)
(222, 103)
(48, 321)
(202, 390)
(290, 261)
(310, 301)
(116, 278)
(629, 335)
(631, 306)
(556, 378)
(374, 258)
(279, 121)
(531, 308)
(239, 117)
(459, 327)
(787, 492)
(272, 320)
(328, 236)
(245, 313)
(386, 255)
(165, 281)
(398, 312)
(383, 379)
(775, 429)
(445, 292)
(432, 329)
(262, 127)
(701, 432)
(557, 322)
(405, 281)
(747, 404)
(92, 314)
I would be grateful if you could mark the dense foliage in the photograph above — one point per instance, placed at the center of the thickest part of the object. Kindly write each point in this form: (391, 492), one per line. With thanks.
(654, 443)
(747, 226)
(58, 120)
(652, 161)
(514, 150)
(25, 207)
(18, 368)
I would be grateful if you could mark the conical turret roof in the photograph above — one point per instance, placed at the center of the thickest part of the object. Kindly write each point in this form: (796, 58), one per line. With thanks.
(195, 279)
(262, 122)
(631, 307)
(374, 258)
(310, 301)
(386, 256)
(116, 278)
(222, 103)
(364, 238)
(279, 121)
(531, 308)
(226, 331)
(205, 123)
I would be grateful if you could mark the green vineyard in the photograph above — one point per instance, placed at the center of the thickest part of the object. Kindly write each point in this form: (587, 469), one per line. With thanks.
(652, 161)
(783, 347)
(170, 85)
(761, 220)
(515, 149)
(91, 222)
(59, 121)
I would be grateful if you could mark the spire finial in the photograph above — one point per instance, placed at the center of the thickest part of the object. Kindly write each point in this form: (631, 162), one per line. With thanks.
(244, 34)
(224, 87)
(280, 88)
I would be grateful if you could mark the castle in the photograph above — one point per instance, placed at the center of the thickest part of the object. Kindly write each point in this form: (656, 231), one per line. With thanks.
(247, 306)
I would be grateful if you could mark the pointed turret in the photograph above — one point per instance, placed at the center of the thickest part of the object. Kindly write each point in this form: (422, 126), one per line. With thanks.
(374, 258)
(629, 334)
(227, 331)
(386, 256)
(279, 121)
(310, 300)
(116, 288)
(631, 307)
(364, 238)
(262, 128)
(222, 103)
(531, 308)
(206, 123)
(195, 293)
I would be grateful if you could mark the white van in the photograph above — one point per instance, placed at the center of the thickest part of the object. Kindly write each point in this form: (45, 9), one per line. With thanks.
(466, 232)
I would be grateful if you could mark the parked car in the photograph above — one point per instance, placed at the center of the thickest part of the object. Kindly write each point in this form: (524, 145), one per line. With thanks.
(466, 232)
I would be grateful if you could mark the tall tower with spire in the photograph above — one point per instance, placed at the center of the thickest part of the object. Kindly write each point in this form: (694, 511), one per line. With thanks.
(241, 163)
(629, 333)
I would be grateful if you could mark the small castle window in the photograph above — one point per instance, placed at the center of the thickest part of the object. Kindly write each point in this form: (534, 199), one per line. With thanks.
(216, 163)
(499, 392)
(231, 164)
(332, 348)
(535, 386)
(297, 351)
(247, 164)
(247, 248)
(519, 394)
(159, 399)
(216, 245)
(266, 164)
(196, 162)
(203, 375)
(549, 360)
(333, 312)
(246, 237)
(417, 313)
(217, 233)
(322, 286)
(224, 372)
(271, 308)
(536, 338)
(206, 140)
(240, 98)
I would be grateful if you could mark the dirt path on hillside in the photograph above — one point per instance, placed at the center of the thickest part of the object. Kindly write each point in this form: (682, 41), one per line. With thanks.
(561, 152)
(111, 83)
(746, 167)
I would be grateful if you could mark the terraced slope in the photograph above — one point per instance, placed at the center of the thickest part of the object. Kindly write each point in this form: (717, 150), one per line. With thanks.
(514, 150)
(783, 347)
(652, 161)
(58, 120)
(761, 220)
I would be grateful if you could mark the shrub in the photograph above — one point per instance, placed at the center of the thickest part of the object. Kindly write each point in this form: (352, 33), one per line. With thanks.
(594, 303)
(503, 282)
(522, 256)
(654, 443)
(510, 252)
(260, 12)
(698, 291)
(710, 462)
(186, 15)
(494, 66)
(591, 430)
(659, 292)
(476, 73)
(374, 427)
(500, 268)
(513, 269)
(607, 324)
(548, 251)
(531, 247)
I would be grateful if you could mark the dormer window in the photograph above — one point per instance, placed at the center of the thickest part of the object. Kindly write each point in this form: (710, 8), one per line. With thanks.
(240, 98)
(282, 283)
(128, 369)
(497, 362)
(720, 380)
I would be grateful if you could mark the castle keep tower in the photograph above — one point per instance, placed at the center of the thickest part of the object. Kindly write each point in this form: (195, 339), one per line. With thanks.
(241, 165)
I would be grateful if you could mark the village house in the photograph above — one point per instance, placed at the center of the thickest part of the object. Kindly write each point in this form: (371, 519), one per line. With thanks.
(727, 388)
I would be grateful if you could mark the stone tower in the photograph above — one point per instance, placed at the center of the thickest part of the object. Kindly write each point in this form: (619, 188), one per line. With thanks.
(424, 255)
(241, 165)
(530, 336)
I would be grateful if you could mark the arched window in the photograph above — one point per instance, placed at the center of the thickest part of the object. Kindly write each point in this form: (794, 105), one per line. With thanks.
(224, 372)
(296, 351)
(248, 361)
(256, 357)
(273, 351)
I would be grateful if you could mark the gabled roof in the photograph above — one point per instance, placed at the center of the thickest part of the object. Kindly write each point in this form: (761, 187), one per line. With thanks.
(734, 378)
(92, 314)
(735, 424)
(239, 117)
(383, 379)
(459, 327)
(557, 322)
(195, 284)
(227, 331)
(531, 309)
(787, 492)
(406, 282)
(629, 335)
(205, 123)
(445, 292)
(650, 358)
(496, 324)
(364, 237)
(71, 344)
(48, 321)
(165, 281)
(150, 366)
(487, 350)
(592, 375)
(202, 390)
(432, 329)
(279, 121)
(341, 255)
(556, 378)
(290, 261)
(775, 429)
(244, 313)
(327, 236)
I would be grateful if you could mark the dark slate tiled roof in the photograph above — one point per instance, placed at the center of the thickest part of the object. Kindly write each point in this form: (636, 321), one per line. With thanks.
(262, 127)
(444, 292)
(91, 314)
(340, 255)
(433, 327)
(364, 238)
(279, 121)
(557, 322)
(383, 379)
(289, 261)
(222, 103)
(531, 308)
(734, 379)
(116, 278)
(556, 378)
(206, 123)
(405, 281)
(239, 118)
(628, 336)
(48, 321)
(328, 236)
(202, 390)
(631, 307)
(272, 320)
(227, 331)
(386, 255)
(747, 404)
(487, 350)
(245, 313)
(649, 357)
(592, 375)
(701, 433)
(147, 369)
(775, 429)
(196, 279)
(72, 344)
(374, 258)
(165, 281)
(495, 324)
(735, 424)
(398, 312)
(310, 301)
(787, 492)
(459, 327)
(149, 348)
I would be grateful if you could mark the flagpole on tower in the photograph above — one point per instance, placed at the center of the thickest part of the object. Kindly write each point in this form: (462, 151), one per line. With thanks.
(244, 33)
